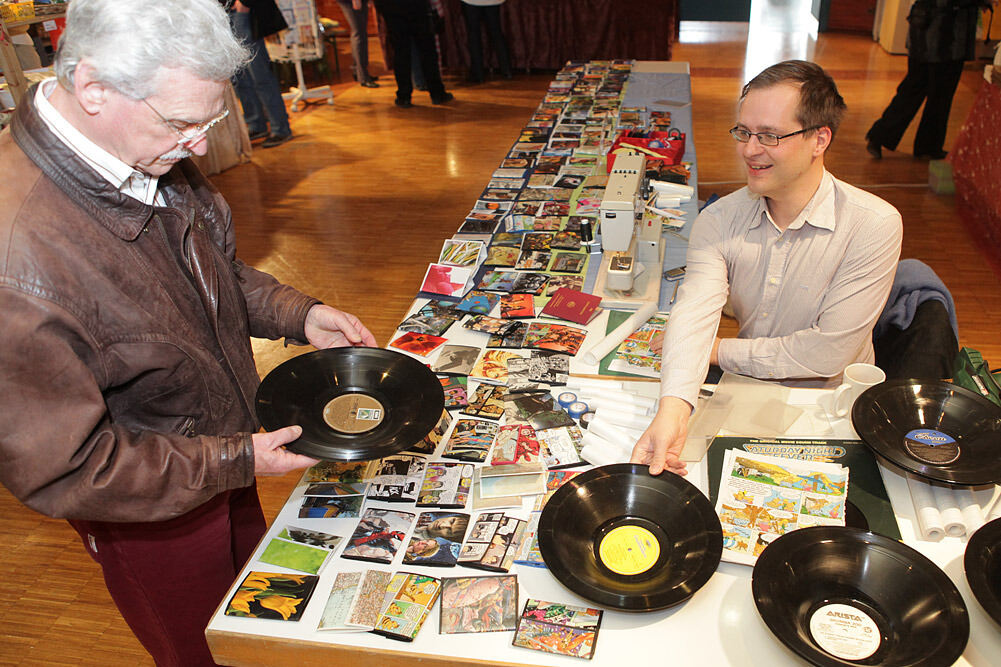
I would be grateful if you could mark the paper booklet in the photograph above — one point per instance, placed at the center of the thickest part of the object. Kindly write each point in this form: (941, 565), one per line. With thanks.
(763, 497)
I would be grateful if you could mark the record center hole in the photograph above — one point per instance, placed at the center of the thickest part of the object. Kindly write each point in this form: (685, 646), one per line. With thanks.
(353, 413)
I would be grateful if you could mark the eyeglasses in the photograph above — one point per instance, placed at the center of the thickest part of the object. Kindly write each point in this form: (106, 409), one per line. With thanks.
(765, 138)
(189, 133)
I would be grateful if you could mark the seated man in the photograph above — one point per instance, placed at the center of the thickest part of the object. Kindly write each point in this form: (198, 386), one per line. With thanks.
(806, 260)
(127, 376)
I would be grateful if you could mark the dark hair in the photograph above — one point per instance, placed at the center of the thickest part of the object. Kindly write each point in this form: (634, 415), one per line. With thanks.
(820, 103)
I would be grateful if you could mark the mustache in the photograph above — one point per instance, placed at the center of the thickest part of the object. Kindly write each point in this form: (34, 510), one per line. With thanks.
(178, 153)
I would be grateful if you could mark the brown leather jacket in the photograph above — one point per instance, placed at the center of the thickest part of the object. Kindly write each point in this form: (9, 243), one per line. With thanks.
(127, 379)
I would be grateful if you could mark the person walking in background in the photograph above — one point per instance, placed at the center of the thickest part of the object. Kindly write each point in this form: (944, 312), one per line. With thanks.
(485, 12)
(940, 37)
(256, 84)
(356, 14)
(409, 22)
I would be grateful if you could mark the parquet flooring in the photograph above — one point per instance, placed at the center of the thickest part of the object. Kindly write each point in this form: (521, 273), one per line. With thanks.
(354, 208)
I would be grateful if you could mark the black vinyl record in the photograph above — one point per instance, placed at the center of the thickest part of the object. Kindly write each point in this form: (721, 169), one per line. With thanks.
(982, 562)
(353, 403)
(936, 430)
(843, 596)
(624, 539)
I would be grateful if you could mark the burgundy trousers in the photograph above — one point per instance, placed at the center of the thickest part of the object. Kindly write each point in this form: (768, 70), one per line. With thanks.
(168, 577)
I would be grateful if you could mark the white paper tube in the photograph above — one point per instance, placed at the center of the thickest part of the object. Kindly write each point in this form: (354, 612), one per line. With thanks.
(667, 201)
(994, 511)
(635, 422)
(621, 453)
(973, 515)
(595, 353)
(930, 526)
(673, 189)
(615, 435)
(948, 508)
(597, 456)
(593, 384)
(613, 405)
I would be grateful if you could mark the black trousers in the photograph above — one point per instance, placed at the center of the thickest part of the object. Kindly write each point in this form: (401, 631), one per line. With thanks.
(489, 16)
(409, 24)
(931, 83)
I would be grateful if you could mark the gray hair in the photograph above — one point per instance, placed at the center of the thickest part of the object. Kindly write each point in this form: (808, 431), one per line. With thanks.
(130, 41)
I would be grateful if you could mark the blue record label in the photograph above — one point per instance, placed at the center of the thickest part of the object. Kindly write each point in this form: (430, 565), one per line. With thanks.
(931, 446)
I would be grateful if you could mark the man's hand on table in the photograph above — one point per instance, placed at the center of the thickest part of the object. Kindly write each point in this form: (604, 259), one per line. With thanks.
(660, 445)
(329, 327)
(270, 456)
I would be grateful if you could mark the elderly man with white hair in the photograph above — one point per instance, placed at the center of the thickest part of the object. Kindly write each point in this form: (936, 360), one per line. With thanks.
(127, 379)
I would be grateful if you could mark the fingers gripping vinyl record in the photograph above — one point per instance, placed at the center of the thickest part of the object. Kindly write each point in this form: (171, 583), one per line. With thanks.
(353, 403)
(624, 539)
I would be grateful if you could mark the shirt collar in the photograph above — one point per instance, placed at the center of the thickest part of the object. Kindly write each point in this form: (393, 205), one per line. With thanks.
(124, 178)
(818, 212)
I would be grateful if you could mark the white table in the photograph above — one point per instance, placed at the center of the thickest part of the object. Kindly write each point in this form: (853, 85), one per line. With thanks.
(719, 625)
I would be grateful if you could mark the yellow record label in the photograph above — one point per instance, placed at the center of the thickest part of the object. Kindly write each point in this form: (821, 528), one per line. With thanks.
(629, 550)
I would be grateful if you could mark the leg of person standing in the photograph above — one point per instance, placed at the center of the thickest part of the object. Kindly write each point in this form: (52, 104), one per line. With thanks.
(492, 19)
(393, 13)
(356, 14)
(168, 577)
(887, 131)
(474, 41)
(258, 89)
(424, 39)
(943, 78)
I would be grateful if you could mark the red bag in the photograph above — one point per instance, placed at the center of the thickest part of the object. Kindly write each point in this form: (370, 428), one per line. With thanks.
(666, 146)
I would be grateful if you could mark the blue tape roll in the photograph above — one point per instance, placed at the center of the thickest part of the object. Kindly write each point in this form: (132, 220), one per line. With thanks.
(566, 398)
(576, 409)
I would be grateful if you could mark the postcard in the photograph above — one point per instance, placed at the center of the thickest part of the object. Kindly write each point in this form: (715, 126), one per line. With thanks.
(556, 337)
(470, 440)
(272, 595)
(420, 344)
(446, 485)
(455, 392)
(455, 359)
(330, 507)
(447, 280)
(479, 604)
(379, 535)
(409, 598)
(437, 537)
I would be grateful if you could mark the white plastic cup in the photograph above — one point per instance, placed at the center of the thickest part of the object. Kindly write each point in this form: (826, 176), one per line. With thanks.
(857, 378)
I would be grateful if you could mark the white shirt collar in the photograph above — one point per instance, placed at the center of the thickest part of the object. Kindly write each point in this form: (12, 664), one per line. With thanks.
(124, 178)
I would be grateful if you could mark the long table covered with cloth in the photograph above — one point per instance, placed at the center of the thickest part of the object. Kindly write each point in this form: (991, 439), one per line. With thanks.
(718, 625)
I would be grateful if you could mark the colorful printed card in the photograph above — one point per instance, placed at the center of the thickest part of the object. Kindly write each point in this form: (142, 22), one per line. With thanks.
(420, 344)
(497, 281)
(330, 507)
(517, 306)
(491, 325)
(429, 443)
(339, 471)
(486, 402)
(397, 478)
(470, 440)
(281, 597)
(455, 392)
(561, 446)
(634, 356)
(492, 542)
(491, 367)
(455, 359)
(461, 252)
(446, 485)
(513, 339)
(476, 301)
(408, 601)
(530, 283)
(300, 549)
(437, 538)
(479, 604)
(379, 535)
(447, 280)
(564, 629)
(556, 337)
(533, 260)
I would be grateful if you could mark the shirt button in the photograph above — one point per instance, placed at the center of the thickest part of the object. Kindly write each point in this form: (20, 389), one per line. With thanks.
(773, 281)
(764, 315)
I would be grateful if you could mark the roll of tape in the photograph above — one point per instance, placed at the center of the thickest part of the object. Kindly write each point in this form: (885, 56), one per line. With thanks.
(566, 398)
(585, 419)
(576, 409)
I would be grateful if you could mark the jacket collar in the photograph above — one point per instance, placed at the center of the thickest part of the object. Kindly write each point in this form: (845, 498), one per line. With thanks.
(122, 215)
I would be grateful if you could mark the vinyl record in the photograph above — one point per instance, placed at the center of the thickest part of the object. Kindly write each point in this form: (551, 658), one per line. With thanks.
(854, 518)
(353, 403)
(624, 539)
(843, 596)
(936, 430)
(982, 562)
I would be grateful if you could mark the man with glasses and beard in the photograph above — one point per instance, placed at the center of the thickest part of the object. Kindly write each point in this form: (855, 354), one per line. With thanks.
(127, 377)
(805, 260)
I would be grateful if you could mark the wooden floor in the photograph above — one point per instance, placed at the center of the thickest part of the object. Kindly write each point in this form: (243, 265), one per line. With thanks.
(354, 208)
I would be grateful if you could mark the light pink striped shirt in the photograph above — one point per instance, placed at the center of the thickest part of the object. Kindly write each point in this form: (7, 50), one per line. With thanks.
(806, 299)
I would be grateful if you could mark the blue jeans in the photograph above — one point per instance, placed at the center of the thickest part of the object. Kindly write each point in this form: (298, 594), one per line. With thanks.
(358, 22)
(256, 84)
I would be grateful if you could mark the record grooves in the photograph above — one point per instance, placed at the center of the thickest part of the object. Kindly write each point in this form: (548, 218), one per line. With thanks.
(353, 403)
(624, 539)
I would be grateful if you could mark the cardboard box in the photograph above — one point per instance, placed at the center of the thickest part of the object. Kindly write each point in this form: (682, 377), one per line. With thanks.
(17, 11)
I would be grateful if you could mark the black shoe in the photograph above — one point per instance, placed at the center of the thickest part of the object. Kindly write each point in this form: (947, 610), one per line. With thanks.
(369, 84)
(404, 104)
(934, 155)
(873, 148)
(257, 136)
(444, 99)
(276, 140)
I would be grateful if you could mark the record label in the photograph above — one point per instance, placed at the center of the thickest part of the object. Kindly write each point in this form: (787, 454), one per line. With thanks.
(845, 631)
(629, 550)
(931, 446)
(353, 413)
